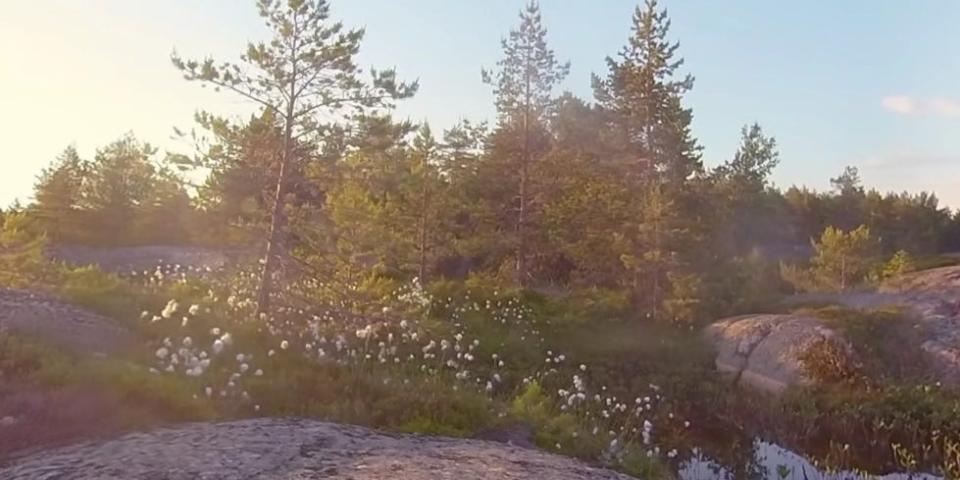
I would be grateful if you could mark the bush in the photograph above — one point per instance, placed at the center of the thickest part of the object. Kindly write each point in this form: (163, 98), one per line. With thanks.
(829, 361)
(899, 264)
(886, 343)
(22, 261)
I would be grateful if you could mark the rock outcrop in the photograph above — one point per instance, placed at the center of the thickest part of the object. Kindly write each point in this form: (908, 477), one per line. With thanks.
(764, 351)
(137, 259)
(58, 323)
(934, 295)
(288, 449)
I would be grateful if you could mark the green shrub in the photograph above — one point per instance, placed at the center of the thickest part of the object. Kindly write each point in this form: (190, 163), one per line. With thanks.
(828, 361)
(886, 342)
(554, 430)
(899, 264)
(22, 260)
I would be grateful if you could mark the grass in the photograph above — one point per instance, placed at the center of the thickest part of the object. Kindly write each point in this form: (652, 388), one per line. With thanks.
(58, 397)
(623, 359)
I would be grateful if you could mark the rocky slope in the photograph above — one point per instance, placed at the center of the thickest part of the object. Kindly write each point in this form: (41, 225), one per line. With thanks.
(55, 322)
(129, 259)
(288, 449)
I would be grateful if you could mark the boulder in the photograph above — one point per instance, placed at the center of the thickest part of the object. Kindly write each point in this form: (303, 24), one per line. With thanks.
(764, 351)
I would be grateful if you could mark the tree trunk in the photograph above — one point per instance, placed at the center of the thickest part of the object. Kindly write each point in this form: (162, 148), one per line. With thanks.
(522, 210)
(843, 273)
(521, 228)
(277, 224)
(425, 200)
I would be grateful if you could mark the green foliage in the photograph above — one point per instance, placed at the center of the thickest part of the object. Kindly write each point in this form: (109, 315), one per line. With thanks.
(829, 361)
(885, 343)
(638, 464)
(842, 260)
(102, 292)
(120, 197)
(747, 284)
(22, 261)
(899, 264)
(29, 363)
(591, 305)
(683, 303)
(921, 419)
(551, 427)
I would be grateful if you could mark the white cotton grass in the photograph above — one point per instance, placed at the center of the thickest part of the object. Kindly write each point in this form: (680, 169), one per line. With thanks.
(169, 309)
(395, 349)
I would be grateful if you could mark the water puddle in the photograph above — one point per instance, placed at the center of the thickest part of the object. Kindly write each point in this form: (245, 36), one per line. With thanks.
(772, 462)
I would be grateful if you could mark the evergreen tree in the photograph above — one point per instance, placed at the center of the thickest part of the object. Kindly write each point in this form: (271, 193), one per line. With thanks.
(524, 84)
(642, 98)
(58, 195)
(844, 259)
(744, 214)
(242, 160)
(303, 75)
(426, 183)
(120, 183)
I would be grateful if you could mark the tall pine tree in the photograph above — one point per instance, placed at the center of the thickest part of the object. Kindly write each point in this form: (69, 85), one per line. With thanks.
(523, 84)
(305, 75)
(647, 122)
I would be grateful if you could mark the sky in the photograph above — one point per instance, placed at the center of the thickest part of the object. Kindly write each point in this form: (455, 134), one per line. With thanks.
(869, 83)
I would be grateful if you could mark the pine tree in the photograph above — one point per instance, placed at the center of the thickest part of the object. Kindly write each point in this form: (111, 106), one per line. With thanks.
(304, 75)
(743, 214)
(58, 195)
(524, 84)
(426, 180)
(844, 259)
(642, 95)
(642, 99)
(120, 183)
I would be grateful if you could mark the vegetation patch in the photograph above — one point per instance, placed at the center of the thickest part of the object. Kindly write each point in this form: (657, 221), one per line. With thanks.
(885, 344)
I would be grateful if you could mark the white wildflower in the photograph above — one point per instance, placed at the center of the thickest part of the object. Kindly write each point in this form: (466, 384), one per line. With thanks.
(170, 309)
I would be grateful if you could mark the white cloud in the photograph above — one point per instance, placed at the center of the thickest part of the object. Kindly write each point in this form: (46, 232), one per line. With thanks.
(944, 107)
(900, 104)
(933, 106)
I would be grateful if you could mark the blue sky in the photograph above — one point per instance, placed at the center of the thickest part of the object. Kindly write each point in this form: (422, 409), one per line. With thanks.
(874, 84)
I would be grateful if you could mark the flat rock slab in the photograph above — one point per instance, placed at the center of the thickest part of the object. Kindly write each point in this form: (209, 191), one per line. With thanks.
(53, 321)
(294, 449)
